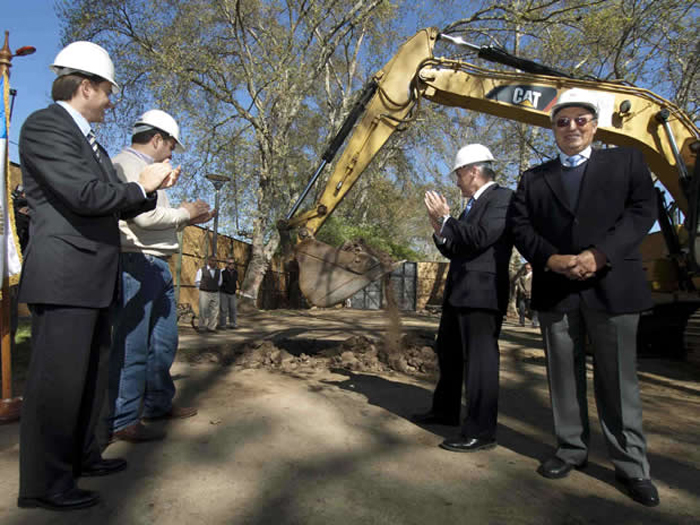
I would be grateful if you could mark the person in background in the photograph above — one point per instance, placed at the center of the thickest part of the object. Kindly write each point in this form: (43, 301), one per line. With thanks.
(523, 289)
(22, 216)
(229, 285)
(208, 280)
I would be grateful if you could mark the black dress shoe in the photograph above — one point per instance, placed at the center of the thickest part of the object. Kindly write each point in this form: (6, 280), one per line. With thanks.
(556, 468)
(72, 499)
(640, 490)
(431, 418)
(464, 444)
(104, 467)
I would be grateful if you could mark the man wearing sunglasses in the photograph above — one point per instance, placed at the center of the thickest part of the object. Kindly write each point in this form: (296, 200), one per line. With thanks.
(579, 220)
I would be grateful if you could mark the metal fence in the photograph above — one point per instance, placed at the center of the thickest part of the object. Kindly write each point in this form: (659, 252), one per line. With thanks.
(403, 286)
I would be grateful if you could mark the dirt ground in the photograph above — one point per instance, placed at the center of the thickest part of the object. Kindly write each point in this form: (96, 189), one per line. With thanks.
(303, 419)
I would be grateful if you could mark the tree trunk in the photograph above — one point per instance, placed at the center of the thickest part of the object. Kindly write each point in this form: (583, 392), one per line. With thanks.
(260, 257)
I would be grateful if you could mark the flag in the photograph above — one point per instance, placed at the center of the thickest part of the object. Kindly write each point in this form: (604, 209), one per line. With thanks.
(10, 263)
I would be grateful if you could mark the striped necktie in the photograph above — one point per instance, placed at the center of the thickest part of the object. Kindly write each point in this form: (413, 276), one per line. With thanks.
(93, 144)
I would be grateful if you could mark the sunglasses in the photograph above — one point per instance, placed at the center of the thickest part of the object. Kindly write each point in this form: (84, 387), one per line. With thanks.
(580, 122)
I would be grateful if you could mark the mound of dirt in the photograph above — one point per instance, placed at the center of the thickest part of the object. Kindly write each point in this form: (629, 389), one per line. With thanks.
(359, 354)
(411, 354)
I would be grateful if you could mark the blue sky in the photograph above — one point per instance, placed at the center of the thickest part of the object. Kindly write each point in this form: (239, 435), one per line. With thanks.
(30, 23)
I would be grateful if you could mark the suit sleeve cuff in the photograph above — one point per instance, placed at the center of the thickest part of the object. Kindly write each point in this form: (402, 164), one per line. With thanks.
(439, 240)
(143, 191)
(445, 218)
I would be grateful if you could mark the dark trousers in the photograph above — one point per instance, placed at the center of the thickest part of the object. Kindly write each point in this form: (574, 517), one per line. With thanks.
(62, 399)
(467, 349)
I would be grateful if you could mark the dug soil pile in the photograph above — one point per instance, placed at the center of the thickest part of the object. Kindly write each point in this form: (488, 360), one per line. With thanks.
(414, 355)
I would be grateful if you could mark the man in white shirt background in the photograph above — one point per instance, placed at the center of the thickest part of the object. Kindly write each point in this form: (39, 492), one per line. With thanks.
(208, 280)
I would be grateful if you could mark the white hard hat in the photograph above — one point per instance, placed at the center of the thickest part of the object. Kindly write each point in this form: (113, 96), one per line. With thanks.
(470, 154)
(85, 57)
(155, 118)
(577, 97)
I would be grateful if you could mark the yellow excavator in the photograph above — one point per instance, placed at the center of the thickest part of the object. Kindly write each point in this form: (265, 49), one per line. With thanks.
(629, 116)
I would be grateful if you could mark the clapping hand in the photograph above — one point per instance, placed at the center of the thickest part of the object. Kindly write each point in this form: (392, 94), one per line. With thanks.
(437, 208)
(199, 211)
(171, 179)
(159, 175)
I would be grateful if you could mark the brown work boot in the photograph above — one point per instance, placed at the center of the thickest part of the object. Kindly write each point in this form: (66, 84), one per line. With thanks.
(138, 433)
(175, 412)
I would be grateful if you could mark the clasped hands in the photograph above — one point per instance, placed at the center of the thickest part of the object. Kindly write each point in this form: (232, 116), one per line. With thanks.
(578, 267)
(437, 208)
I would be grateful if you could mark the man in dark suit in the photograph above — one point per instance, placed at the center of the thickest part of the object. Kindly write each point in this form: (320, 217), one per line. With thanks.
(475, 300)
(579, 219)
(69, 277)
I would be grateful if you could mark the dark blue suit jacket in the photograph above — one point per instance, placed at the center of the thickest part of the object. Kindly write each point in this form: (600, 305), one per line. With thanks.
(479, 250)
(616, 208)
(76, 202)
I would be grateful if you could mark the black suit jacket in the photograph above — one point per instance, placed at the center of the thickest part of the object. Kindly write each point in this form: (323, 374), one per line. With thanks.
(616, 209)
(76, 202)
(479, 249)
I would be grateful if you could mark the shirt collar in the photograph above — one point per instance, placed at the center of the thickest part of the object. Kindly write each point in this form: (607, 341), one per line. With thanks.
(81, 121)
(141, 155)
(483, 189)
(586, 153)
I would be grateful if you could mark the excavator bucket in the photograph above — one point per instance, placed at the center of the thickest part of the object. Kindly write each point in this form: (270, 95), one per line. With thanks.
(328, 275)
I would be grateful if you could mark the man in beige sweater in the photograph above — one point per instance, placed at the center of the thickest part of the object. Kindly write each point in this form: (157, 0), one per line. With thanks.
(145, 335)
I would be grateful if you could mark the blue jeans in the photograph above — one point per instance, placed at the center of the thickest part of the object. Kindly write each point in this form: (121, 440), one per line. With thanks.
(144, 342)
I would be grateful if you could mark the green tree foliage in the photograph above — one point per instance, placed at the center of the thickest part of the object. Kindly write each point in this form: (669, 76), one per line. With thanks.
(336, 231)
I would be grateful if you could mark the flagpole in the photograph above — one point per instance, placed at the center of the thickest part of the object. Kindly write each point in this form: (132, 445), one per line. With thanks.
(10, 407)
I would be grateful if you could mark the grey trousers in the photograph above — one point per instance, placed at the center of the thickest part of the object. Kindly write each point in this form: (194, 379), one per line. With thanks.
(208, 309)
(613, 341)
(228, 310)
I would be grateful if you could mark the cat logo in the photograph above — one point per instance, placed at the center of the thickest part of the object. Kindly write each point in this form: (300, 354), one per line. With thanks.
(535, 97)
(526, 97)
